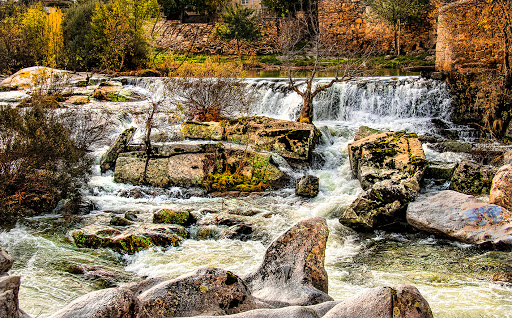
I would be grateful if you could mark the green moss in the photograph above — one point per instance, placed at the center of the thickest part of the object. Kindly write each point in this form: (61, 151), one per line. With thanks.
(132, 244)
(89, 240)
(171, 217)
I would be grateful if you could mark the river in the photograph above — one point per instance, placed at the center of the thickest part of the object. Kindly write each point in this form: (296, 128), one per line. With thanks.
(455, 278)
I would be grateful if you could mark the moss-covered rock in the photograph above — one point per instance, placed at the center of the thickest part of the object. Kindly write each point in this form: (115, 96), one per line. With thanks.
(365, 131)
(172, 217)
(389, 167)
(440, 170)
(108, 160)
(290, 139)
(131, 240)
(307, 186)
(472, 178)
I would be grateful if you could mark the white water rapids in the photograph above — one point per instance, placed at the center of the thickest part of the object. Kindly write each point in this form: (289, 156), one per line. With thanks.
(352, 262)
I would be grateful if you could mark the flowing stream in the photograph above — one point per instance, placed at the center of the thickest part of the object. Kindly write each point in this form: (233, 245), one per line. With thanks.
(455, 278)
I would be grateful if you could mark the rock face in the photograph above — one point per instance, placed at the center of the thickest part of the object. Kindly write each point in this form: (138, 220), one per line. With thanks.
(6, 262)
(389, 167)
(131, 239)
(206, 291)
(289, 139)
(9, 289)
(108, 160)
(384, 302)
(472, 178)
(105, 303)
(307, 186)
(292, 272)
(501, 190)
(462, 217)
(220, 168)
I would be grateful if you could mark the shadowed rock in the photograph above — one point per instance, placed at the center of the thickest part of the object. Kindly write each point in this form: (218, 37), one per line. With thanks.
(307, 186)
(472, 178)
(462, 217)
(108, 160)
(6, 261)
(292, 272)
(208, 290)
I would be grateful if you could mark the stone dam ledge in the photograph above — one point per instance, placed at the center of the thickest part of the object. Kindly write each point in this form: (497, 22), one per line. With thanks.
(290, 282)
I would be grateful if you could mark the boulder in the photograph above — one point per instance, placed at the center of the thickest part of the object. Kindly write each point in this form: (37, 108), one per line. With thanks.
(389, 167)
(36, 76)
(108, 160)
(365, 131)
(292, 271)
(172, 217)
(462, 217)
(120, 221)
(472, 178)
(501, 189)
(286, 312)
(290, 139)
(77, 100)
(205, 131)
(9, 302)
(307, 186)
(225, 169)
(6, 261)
(384, 302)
(206, 291)
(132, 239)
(105, 303)
(440, 170)
(507, 158)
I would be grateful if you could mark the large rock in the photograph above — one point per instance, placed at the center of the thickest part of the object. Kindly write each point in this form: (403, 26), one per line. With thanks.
(389, 167)
(6, 261)
(501, 190)
(440, 170)
(207, 291)
(41, 76)
(307, 186)
(105, 303)
(472, 178)
(286, 312)
(384, 302)
(292, 272)
(225, 169)
(462, 217)
(108, 160)
(131, 239)
(290, 139)
(9, 290)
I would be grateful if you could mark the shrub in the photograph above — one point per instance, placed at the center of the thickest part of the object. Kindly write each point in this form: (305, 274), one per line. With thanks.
(40, 163)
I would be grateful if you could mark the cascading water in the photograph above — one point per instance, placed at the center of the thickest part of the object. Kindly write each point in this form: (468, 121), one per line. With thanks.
(437, 267)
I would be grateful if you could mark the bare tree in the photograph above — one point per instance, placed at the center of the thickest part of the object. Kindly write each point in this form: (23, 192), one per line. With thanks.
(301, 36)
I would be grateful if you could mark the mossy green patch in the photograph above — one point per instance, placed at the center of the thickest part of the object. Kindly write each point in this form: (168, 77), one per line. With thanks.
(171, 217)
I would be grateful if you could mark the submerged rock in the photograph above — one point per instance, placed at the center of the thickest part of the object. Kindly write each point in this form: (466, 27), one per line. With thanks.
(389, 167)
(207, 290)
(108, 160)
(462, 217)
(132, 239)
(501, 190)
(288, 138)
(404, 301)
(292, 271)
(472, 178)
(307, 186)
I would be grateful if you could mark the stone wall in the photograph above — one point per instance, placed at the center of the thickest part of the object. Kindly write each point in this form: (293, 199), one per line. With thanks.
(464, 44)
(200, 38)
(352, 26)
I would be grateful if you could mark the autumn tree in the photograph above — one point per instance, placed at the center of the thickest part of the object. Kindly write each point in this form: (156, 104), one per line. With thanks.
(399, 13)
(238, 24)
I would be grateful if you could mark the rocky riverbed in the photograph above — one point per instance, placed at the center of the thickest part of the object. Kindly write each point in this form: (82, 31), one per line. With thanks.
(162, 233)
